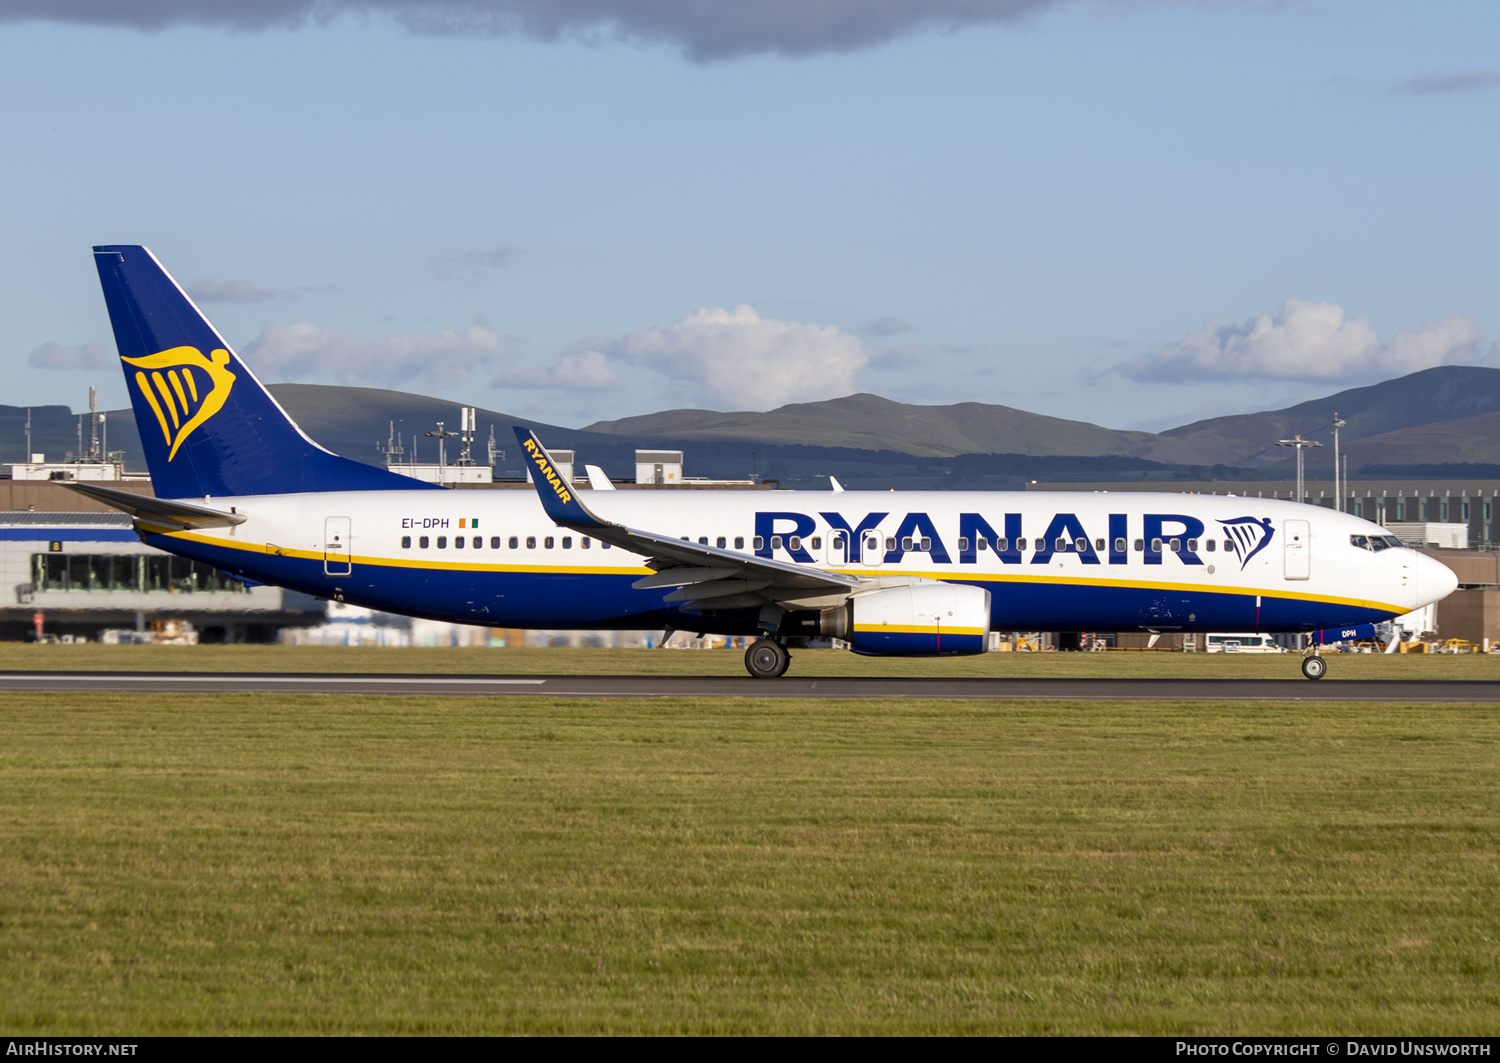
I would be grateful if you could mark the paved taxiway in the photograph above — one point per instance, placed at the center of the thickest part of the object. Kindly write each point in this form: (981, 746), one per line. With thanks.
(636, 686)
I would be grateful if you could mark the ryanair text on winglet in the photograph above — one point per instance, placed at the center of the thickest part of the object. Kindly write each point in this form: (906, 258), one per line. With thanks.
(548, 472)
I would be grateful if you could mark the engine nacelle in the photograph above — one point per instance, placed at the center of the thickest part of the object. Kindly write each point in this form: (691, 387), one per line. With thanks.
(922, 619)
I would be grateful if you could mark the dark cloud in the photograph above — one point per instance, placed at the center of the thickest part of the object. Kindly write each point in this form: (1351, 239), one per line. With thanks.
(52, 355)
(239, 290)
(887, 326)
(471, 265)
(1463, 81)
(702, 29)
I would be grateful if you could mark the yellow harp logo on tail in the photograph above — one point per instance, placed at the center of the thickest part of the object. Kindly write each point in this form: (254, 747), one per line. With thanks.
(183, 388)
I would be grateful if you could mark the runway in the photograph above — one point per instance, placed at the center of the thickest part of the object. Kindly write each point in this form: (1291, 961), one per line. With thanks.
(636, 686)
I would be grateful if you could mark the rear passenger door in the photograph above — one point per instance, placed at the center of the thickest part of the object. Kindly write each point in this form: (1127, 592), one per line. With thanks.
(1297, 548)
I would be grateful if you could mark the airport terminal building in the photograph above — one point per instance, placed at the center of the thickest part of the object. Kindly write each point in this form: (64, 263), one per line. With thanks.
(77, 575)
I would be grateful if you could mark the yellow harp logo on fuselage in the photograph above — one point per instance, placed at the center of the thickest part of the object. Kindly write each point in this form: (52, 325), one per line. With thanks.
(183, 388)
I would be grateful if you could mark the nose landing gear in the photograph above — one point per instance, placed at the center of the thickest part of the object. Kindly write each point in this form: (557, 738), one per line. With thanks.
(1313, 664)
(766, 659)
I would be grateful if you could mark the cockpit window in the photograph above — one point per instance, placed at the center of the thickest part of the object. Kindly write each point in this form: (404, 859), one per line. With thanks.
(1375, 543)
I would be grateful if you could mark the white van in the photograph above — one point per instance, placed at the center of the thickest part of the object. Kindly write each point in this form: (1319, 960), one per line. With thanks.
(1229, 643)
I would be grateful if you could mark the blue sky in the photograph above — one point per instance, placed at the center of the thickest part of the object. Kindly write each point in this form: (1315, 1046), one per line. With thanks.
(1129, 213)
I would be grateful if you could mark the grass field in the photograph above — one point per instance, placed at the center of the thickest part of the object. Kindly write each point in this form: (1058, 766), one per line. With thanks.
(297, 864)
(452, 661)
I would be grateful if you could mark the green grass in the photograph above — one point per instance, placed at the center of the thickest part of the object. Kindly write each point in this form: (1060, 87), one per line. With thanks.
(20, 655)
(238, 863)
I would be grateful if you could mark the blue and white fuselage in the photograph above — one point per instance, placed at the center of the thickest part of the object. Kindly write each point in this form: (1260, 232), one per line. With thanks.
(495, 557)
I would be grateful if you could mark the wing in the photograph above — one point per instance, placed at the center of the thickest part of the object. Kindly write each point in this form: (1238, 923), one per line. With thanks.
(707, 578)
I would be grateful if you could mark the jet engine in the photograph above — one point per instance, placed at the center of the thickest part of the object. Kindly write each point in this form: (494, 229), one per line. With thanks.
(922, 619)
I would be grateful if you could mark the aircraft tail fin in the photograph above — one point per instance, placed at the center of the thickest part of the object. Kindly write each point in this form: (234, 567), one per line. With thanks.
(208, 426)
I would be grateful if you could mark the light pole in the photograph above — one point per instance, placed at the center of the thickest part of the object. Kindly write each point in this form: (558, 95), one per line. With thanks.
(1338, 494)
(1301, 445)
(441, 435)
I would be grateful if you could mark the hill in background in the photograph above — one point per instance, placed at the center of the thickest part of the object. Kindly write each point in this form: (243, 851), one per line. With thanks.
(1444, 416)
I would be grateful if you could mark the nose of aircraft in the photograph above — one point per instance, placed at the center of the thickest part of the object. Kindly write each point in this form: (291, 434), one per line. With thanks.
(1435, 580)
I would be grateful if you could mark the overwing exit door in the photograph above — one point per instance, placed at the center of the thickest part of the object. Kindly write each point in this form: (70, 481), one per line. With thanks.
(336, 547)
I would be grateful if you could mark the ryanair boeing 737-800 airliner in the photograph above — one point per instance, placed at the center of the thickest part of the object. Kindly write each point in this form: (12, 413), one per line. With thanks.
(240, 487)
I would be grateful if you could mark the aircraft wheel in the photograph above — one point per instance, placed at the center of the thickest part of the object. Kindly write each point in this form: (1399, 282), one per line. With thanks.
(1314, 667)
(766, 659)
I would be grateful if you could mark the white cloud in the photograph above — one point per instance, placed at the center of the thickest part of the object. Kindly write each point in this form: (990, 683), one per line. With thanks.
(1305, 341)
(736, 359)
(304, 351)
(578, 371)
(52, 355)
(239, 290)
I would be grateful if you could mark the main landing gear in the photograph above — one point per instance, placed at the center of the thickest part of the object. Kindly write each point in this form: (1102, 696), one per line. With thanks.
(766, 659)
(1313, 664)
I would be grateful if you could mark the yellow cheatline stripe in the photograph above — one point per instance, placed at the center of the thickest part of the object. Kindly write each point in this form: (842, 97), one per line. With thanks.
(642, 570)
(161, 418)
(261, 549)
(917, 629)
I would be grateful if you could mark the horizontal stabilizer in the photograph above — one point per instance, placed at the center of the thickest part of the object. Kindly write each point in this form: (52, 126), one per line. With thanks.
(158, 512)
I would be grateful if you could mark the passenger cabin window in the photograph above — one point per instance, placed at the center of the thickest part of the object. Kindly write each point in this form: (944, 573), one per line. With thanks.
(906, 543)
(872, 544)
(1140, 545)
(1156, 546)
(963, 542)
(702, 540)
(1210, 544)
(794, 543)
(547, 543)
(890, 544)
(567, 542)
(1120, 546)
(494, 542)
(1098, 544)
(422, 542)
(775, 542)
(515, 543)
(926, 544)
(719, 542)
(531, 542)
(838, 542)
(1061, 545)
(760, 542)
(739, 542)
(442, 542)
(406, 542)
(458, 542)
(1192, 545)
(1020, 544)
(817, 543)
(1082, 545)
(584, 543)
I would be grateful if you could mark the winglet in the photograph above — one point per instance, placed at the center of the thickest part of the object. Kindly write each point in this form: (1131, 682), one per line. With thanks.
(558, 498)
(598, 481)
